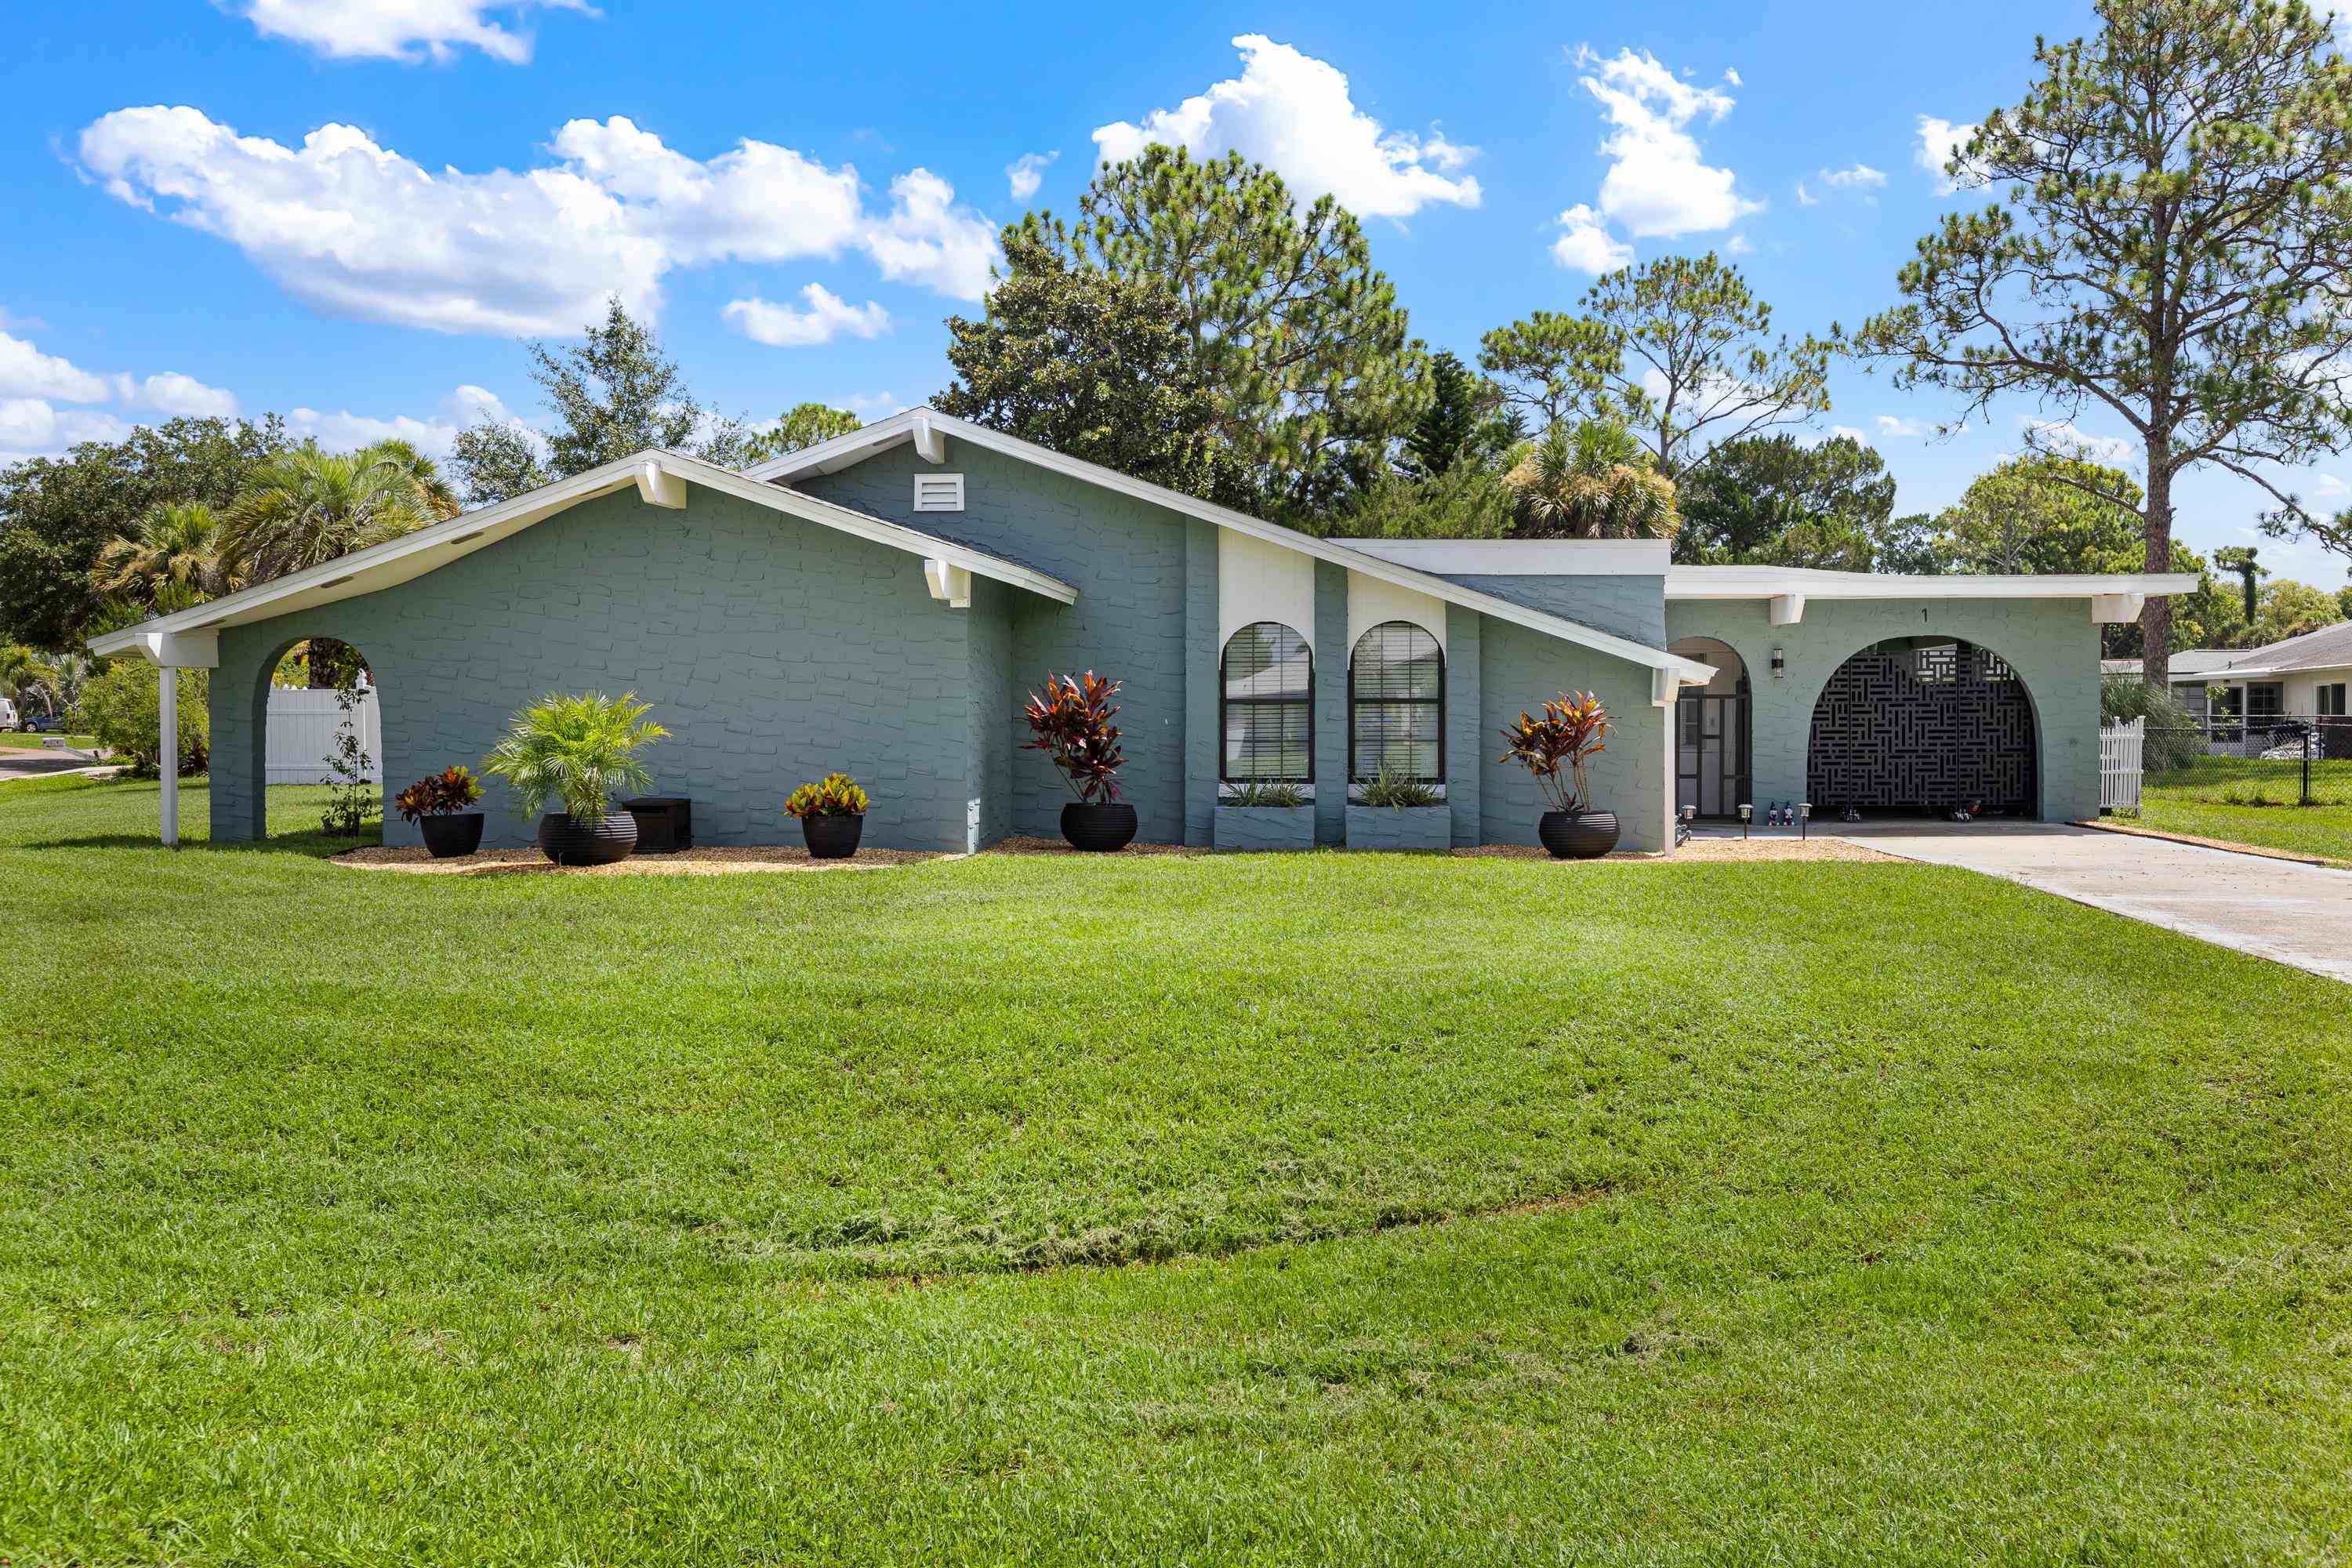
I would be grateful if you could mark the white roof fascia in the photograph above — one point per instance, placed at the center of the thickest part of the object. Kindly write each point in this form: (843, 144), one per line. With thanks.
(1812, 583)
(1523, 557)
(414, 555)
(842, 451)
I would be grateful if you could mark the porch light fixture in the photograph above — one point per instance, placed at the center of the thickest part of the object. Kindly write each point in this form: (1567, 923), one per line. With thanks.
(1780, 664)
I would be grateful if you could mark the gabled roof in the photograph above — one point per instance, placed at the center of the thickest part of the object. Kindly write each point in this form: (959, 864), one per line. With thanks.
(659, 475)
(2329, 647)
(924, 426)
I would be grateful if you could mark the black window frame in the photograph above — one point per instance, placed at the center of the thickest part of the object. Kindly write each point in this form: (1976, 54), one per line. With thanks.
(1226, 701)
(1356, 774)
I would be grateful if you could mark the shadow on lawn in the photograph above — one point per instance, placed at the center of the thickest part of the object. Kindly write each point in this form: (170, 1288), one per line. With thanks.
(311, 846)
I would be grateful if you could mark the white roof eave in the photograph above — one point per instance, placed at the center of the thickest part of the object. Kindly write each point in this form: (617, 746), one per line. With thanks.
(1691, 582)
(842, 451)
(415, 554)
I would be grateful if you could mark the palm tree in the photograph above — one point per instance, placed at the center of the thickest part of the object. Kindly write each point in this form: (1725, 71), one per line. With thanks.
(307, 507)
(1594, 481)
(23, 673)
(438, 496)
(171, 563)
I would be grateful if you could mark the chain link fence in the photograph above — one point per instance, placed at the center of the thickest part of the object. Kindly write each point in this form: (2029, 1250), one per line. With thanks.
(2280, 759)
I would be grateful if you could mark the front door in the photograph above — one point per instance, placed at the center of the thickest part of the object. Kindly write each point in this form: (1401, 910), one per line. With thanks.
(1711, 753)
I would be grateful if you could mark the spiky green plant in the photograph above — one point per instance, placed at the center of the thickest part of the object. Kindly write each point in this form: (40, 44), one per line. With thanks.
(580, 750)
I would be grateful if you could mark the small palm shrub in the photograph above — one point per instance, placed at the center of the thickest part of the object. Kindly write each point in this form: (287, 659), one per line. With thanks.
(1394, 788)
(2175, 736)
(1570, 734)
(1071, 722)
(835, 795)
(444, 794)
(579, 749)
(1267, 794)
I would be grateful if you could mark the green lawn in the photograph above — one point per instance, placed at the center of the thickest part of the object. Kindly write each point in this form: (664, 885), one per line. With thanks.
(2254, 801)
(1267, 1209)
(19, 740)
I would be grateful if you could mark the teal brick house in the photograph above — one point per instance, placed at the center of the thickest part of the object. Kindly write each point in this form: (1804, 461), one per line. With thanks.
(878, 605)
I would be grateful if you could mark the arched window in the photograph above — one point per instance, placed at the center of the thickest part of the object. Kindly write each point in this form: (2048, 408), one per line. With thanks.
(1266, 707)
(1396, 704)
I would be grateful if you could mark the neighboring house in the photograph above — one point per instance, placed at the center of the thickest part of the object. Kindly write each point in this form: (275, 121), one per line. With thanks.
(2304, 677)
(881, 602)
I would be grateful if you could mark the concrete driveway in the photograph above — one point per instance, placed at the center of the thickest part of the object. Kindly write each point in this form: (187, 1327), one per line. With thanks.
(2281, 909)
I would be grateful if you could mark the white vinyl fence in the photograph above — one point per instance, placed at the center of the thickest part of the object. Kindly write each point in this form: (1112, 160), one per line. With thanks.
(2121, 748)
(303, 727)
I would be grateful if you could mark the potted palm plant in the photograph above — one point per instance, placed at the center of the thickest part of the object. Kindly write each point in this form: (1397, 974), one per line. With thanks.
(438, 805)
(832, 816)
(580, 750)
(1071, 722)
(1555, 748)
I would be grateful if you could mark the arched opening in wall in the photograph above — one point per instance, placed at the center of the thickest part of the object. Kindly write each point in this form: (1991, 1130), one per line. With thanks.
(321, 733)
(1713, 733)
(1923, 726)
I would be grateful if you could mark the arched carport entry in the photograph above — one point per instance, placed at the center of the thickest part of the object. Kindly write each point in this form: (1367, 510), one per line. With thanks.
(1923, 726)
(311, 694)
(1714, 732)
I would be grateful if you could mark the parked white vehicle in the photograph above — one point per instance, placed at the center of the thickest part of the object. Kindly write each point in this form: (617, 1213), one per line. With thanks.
(8, 719)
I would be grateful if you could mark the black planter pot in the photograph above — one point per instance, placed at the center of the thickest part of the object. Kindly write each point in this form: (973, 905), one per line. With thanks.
(460, 833)
(596, 841)
(832, 838)
(1102, 827)
(1577, 834)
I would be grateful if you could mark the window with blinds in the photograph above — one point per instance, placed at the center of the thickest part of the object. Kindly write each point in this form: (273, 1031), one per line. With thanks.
(1396, 704)
(1266, 679)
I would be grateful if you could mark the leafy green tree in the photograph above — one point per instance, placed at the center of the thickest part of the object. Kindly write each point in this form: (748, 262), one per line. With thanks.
(1677, 350)
(1548, 366)
(614, 394)
(1094, 365)
(1460, 420)
(1298, 337)
(2344, 600)
(806, 425)
(1906, 547)
(1592, 480)
(171, 562)
(2170, 249)
(57, 513)
(1773, 501)
(2239, 559)
(1468, 500)
(2042, 513)
(2289, 609)
(122, 707)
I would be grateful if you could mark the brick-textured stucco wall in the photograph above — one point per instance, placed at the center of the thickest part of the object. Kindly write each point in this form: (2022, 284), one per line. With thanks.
(1629, 606)
(1127, 559)
(1519, 670)
(2051, 643)
(773, 650)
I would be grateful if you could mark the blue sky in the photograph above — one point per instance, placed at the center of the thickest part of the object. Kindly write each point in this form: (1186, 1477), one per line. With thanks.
(354, 208)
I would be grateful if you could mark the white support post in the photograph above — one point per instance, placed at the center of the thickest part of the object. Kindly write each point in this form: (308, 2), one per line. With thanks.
(167, 702)
(949, 582)
(1788, 609)
(931, 442)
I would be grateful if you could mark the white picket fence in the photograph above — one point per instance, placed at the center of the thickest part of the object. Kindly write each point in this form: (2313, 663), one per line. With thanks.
(303, 727)
(2121, 749)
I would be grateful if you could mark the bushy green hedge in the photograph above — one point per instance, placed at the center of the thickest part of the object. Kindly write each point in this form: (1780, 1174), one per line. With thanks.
(122, 707)
(2174, 738)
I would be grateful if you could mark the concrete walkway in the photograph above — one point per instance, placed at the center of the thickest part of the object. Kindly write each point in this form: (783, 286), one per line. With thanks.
(2297, 914)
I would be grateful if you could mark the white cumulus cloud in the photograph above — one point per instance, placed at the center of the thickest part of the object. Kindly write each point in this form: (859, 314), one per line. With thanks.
(1584, 246)
(26, 372)
(173, 394)
(32, 427)
(827, 317)
(1658, 185)
(1891, 424)
(1295, 114)
(401, 29)
(1026, 173)
(360, 230)
(343, 431)
(1940, 141)
(2063, 439)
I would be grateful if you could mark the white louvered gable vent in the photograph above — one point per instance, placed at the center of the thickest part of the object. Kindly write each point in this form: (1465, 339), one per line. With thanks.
(938, 492)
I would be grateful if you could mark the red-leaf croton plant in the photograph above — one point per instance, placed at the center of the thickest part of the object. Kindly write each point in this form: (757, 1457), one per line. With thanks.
(1071, 721)
(1569, 735)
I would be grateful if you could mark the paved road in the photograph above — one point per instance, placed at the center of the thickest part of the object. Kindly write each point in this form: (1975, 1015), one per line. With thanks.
(29, 765)
(2294, 913)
